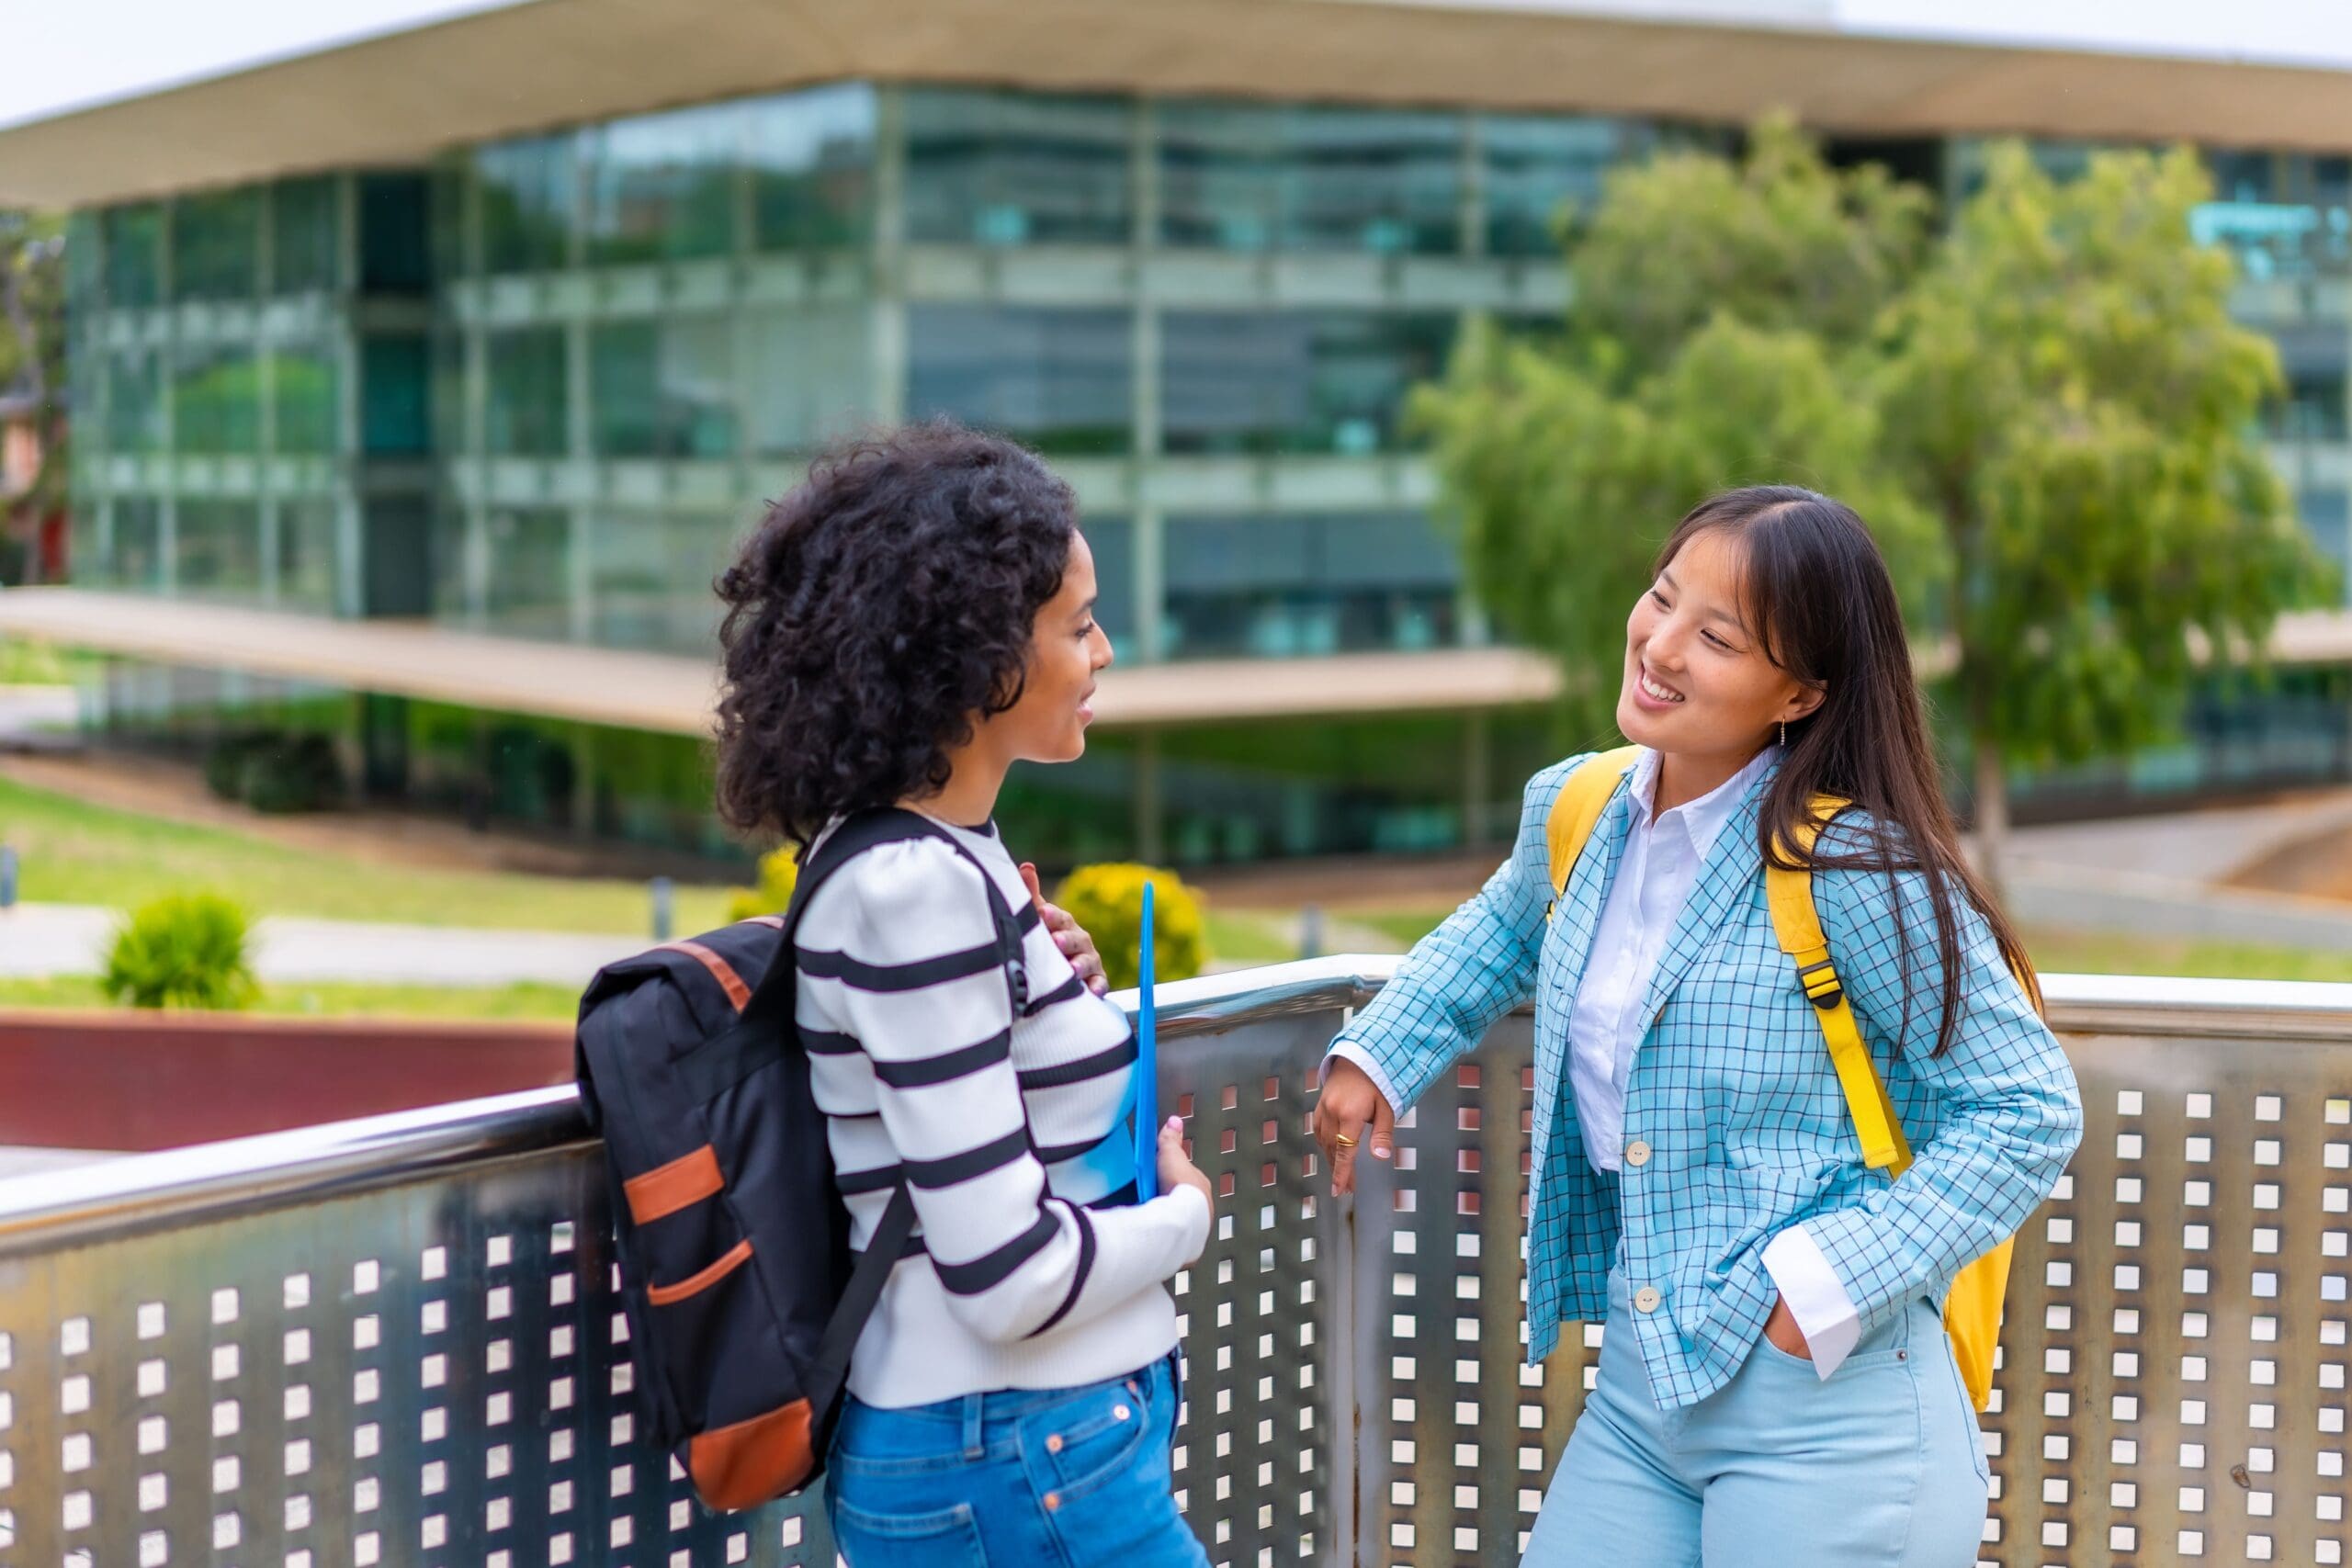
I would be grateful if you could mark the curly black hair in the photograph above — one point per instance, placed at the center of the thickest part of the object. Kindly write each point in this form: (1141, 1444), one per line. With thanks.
(879, 606)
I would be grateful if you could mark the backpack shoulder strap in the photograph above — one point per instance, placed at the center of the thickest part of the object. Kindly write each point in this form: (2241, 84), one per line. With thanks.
(1796, 923)
(770, 1006)
(1577, 808)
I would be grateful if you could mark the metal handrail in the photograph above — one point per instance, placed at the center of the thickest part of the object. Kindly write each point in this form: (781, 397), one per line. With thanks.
(144, 1191)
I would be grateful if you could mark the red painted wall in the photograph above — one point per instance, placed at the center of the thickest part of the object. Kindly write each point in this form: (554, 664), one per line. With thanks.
(137, 1081)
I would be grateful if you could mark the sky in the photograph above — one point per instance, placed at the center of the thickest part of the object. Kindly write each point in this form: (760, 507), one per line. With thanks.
(71, 56)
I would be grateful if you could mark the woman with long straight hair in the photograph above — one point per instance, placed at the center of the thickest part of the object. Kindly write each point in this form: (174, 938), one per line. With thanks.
(1776, 1386)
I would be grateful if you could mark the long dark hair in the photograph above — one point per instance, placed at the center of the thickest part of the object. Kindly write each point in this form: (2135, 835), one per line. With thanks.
(1818, 597)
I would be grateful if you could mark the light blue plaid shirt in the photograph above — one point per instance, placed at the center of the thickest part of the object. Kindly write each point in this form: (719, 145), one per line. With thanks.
(1733, 1093)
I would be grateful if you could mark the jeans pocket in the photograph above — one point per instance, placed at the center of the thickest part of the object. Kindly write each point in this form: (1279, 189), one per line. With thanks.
(944, 1538)
(1094, 1439)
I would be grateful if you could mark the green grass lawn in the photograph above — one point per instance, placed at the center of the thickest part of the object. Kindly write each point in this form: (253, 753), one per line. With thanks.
(2102, 953)
(69, 853)
(525, 999)
(23, 662)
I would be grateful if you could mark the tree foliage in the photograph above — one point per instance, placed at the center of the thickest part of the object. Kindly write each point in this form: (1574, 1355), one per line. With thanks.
(2044, 409)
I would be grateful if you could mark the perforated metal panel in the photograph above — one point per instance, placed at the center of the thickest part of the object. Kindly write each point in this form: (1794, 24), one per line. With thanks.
(431, 1373)
(405, 1349)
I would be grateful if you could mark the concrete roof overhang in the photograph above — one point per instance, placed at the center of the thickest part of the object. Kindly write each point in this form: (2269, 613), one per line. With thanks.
(671, 694)
(398, 97)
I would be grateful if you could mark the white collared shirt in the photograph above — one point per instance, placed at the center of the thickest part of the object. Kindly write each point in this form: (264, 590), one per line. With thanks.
(1654, 876)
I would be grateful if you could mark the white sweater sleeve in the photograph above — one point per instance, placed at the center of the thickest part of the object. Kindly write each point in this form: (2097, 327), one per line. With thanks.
(923, 986)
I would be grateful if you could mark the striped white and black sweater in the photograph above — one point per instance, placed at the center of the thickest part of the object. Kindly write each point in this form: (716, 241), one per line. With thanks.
(1037, 1268)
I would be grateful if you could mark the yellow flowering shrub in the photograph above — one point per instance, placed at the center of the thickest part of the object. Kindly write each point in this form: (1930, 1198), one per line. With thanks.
(1107, 900)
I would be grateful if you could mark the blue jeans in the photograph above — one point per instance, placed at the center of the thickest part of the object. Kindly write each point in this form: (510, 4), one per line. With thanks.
(1069, 1476)
(1881, 1466)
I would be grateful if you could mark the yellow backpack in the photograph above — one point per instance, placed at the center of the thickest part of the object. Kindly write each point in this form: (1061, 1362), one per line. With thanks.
(1973, 1310)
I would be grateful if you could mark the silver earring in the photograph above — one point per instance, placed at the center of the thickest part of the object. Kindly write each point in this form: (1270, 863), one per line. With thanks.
(1785, 732)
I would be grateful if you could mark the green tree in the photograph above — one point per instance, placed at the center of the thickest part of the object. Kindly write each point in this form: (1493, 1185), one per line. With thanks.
(2065, 391)
(2044, 410)
(1720, 332)
(32, 367)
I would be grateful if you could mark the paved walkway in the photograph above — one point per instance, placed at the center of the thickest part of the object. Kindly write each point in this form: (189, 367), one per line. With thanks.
(2165, 876)
(70, 939)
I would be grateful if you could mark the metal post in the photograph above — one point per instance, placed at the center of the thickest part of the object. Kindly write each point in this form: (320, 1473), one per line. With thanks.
(7, 877)
(665, 906)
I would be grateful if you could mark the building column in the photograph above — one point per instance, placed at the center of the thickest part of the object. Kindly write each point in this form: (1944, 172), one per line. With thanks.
(1151, 828)
(1477, 775)
(1147, 581)
(473, 411)
(351, 507)
(273, 543)
(887, 341)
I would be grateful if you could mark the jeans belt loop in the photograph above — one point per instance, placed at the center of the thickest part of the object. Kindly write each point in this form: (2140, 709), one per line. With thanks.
(975, 1405)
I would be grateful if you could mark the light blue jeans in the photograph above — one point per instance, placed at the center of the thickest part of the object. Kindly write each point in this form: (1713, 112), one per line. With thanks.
(1064, 1478)
(1881, 1466)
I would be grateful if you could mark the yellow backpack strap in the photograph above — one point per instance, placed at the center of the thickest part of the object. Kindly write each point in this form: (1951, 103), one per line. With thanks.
(1797, 924)
(1581, 801)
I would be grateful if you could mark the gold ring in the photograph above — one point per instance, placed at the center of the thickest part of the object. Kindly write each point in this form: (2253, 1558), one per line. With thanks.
(1344, 1140)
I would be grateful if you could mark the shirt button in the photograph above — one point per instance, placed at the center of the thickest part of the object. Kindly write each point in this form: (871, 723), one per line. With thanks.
(1646, 1299)
(1637, 1153)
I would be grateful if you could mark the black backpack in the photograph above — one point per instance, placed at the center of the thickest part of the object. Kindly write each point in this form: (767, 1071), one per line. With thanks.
(743, 1298)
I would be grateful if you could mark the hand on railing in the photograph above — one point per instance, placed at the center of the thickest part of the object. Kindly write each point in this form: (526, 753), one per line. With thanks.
(1349, 1103)
(1176, 1168)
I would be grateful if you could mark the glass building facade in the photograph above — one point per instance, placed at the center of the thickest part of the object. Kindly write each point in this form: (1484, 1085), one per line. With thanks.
(540, 386)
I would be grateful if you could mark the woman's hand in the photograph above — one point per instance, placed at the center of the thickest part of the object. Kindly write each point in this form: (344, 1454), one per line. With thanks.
(1781, 1329)
(1176, 1168)
(1068, 935)
(1349, 1104)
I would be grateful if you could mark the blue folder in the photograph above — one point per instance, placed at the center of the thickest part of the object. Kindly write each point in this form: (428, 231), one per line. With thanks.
(1146, 1067)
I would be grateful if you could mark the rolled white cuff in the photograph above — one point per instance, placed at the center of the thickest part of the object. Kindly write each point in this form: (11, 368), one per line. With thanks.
(1349, 1051)
(1826, 1315)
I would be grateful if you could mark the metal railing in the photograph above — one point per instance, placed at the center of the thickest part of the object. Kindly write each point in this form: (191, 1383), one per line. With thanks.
(395, 1341)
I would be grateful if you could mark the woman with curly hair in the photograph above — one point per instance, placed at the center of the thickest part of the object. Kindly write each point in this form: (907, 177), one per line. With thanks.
(903, 628)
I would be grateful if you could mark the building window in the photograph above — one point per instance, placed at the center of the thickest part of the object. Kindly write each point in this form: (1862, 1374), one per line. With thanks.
(807, 377)
(528, 591)
(527, 204)
(1007, 168)
(661, 187)
(306, 555)
(2327, 516)
(216, 399)
(1329, 381)
(218, 548)
(1535, 167)
(216, 246)
(1060, 380)
(649, 580)
(1248, 177)
(1113, 540)
(529, 393)
(309, 398)
(135, 401)
(306, 234)
(2283, 215)
(395, 233)
(812, 167)
(395, 395)
(1288, 586)
(138, 560)
(663, 387)
(134, 255)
